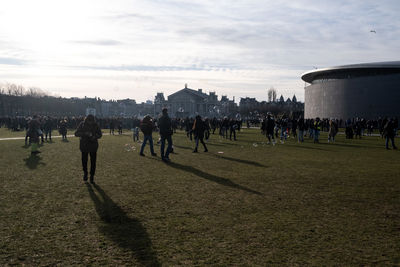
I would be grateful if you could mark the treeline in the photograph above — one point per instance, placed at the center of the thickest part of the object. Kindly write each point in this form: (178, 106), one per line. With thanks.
(15, 100)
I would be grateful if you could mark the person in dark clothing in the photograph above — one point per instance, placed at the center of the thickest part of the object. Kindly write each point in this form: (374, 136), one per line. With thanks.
(301, 125)
(389, 132)
(317, 129)
(63, 128)
(294, 128)
(34, 135)
(269, 129)
(119, 127)
(214, 124)
(232, 129)
(112, 127)
(147, 127)
(224, 128)
(41, 129)
(48, 127)
(207, 128)
(165, 126)
(88, 132)
(198, 129)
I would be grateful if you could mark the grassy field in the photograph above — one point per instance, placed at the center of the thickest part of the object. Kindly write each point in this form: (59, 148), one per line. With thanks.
(252, 205)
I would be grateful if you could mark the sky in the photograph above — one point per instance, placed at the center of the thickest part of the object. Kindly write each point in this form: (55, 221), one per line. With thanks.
(133, 49)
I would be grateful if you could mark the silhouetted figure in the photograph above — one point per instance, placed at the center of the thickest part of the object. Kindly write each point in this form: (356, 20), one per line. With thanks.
(333, 129)
(301, 125)
(112, 127)
(165, 126)
(34, 134)
(63, 128)
(48, 127)
(147, 128)
(88, 131)
(317, 129)
(389, 131)
(198, 129)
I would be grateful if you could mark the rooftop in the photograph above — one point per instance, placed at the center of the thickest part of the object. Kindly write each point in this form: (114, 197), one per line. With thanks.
(309, 76)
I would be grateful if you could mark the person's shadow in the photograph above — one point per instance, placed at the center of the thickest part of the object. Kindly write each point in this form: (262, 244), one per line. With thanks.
(219, 180)
(33, 161)
(127, 232)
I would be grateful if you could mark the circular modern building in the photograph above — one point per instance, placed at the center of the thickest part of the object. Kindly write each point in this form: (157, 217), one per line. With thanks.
(367, 91)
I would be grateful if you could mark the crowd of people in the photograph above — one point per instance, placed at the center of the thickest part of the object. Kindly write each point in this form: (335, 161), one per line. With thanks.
(283, 126)
(39, 129)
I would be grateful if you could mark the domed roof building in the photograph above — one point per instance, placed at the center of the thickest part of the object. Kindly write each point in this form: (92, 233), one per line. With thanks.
(369, 91)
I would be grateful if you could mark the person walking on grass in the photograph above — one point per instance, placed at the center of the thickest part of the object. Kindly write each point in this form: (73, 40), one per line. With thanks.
(198, 129)
(165, 126)
(284, 126)
(301, 125)
(33, 134)
(147, 127)
(333, 129)
(88, 132)
(48, 127)
(232, 129)
(269, 129)
(63, 128)
(389, 131)
(317, 129)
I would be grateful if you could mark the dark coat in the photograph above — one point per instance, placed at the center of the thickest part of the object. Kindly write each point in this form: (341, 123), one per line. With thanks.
(146, 126)
(33, 130)
(389, 129)
(301, 125)
(88, 134)
(270, 125)
(164, 123)
(199, 127)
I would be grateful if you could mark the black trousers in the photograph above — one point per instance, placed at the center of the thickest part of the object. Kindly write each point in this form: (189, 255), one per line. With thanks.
(234, 134)
(85, 156)
(200, 138)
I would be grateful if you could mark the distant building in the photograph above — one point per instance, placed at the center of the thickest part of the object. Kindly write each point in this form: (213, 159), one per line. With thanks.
(250, 106)
(189, 103)
(91, 111)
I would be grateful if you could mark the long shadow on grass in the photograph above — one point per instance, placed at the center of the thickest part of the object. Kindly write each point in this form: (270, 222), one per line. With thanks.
(221, 144)
(211, 177)
(33, 161)
(249, 162)
(127, 232)
(353, 145)
(313, 146)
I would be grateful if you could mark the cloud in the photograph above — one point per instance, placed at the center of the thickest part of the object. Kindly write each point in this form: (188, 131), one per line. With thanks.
(104, 42)
(12, 61)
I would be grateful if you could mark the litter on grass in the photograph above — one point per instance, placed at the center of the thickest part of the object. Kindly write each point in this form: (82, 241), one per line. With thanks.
(255, 145)
(220, 152)
(129, 147)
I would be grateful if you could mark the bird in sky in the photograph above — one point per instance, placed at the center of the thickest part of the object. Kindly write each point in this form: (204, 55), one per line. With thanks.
(372, 31)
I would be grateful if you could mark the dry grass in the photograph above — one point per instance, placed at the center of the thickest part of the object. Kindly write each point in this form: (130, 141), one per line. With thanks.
(254, 205)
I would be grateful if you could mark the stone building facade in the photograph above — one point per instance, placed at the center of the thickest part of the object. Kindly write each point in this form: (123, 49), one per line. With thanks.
(189, 103)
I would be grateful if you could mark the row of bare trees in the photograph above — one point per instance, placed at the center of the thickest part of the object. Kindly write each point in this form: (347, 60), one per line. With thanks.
(12, 89)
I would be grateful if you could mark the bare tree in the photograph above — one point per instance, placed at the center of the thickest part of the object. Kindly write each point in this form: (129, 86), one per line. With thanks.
(273, 94)
(2, 89)
(18, 90)
(270, 94)
(35, 92)
(9, 88)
